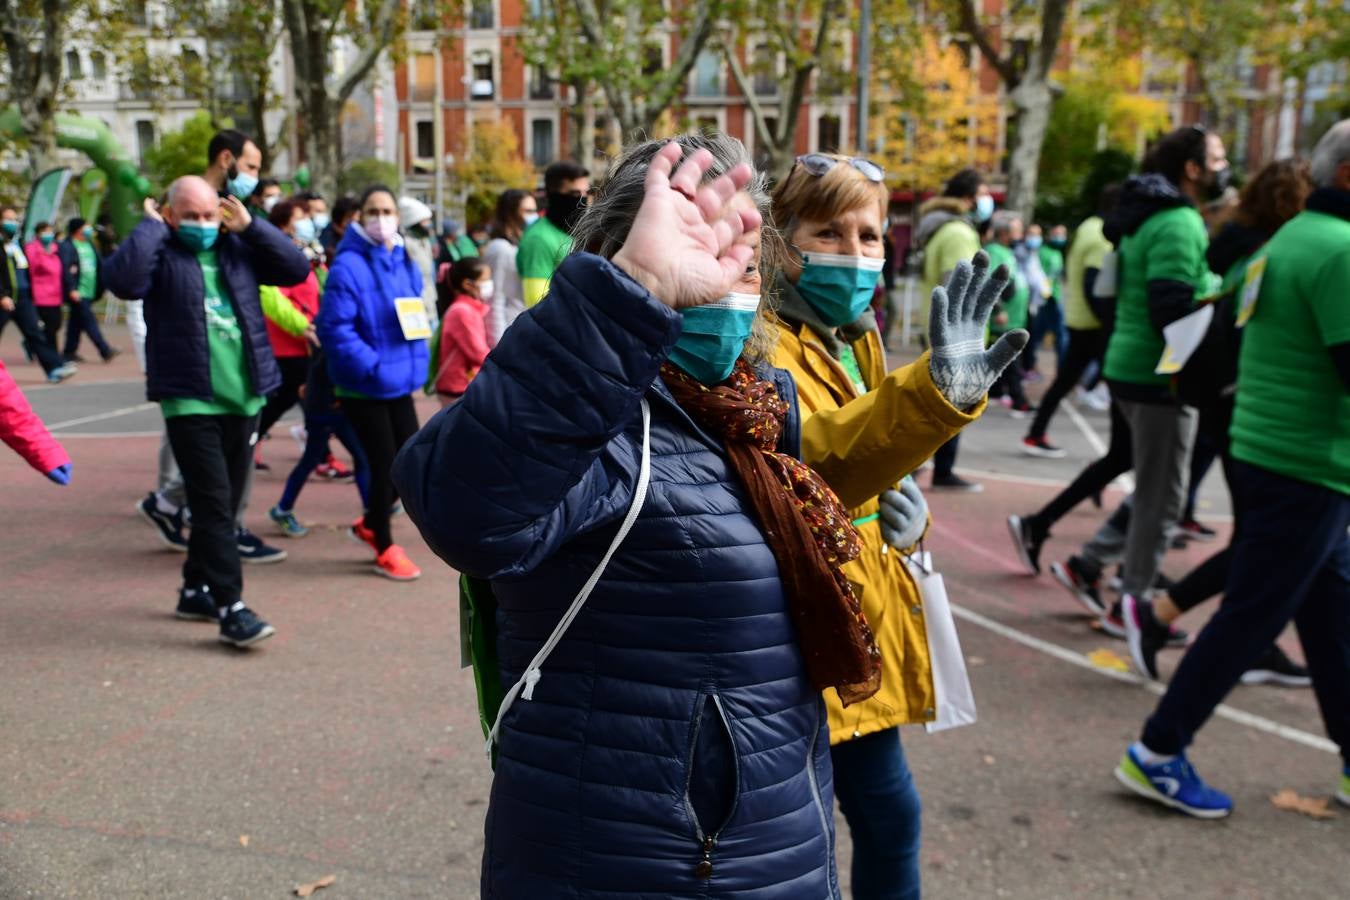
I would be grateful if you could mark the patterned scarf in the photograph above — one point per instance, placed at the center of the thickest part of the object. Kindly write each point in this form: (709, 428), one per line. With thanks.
(807, 528)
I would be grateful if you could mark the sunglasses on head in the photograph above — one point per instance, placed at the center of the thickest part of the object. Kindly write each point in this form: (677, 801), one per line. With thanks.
(818, 164)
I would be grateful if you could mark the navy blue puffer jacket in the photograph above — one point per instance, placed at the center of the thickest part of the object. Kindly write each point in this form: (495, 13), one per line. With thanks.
(151, 265)
(674, 747)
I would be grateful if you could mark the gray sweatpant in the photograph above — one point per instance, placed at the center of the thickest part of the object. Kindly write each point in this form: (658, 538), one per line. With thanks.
(1162, 437)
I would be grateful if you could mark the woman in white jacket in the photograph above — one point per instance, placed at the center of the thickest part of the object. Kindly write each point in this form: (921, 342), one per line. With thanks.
(419, 242)
(516, 211)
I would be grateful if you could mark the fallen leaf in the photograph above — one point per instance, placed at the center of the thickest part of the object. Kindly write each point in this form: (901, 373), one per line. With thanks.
(306, 890)
(1108, 659)
(988, 760)
(107, 684)
(1312, 807)
(974, 660)
(243, 840)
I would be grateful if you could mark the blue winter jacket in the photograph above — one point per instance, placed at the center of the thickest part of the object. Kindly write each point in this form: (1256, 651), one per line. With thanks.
(674, 747)
(358, 323)
(152, 265)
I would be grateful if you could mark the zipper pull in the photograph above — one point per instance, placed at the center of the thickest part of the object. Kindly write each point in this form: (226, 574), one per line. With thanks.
(704, 869)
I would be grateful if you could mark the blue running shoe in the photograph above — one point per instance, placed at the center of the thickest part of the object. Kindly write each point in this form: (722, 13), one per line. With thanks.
(287, 522)
(242, 628)
(197, 605)
(1173, 783)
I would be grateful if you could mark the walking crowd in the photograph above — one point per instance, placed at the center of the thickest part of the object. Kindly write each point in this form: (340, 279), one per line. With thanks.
(677, 473)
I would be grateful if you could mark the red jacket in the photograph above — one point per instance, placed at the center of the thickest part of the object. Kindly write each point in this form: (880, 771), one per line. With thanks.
(464, 344)
(44, 273)
(23, 430)
(304, 297)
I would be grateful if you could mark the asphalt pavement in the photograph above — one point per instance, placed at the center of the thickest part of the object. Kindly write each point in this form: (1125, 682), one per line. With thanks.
(141, 759)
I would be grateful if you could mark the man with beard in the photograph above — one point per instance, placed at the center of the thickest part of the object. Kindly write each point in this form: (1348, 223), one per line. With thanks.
(545, 243)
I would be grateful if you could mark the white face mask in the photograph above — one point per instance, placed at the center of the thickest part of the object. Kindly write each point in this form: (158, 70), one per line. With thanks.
(381, 228)
(270, 202)
(485, 290)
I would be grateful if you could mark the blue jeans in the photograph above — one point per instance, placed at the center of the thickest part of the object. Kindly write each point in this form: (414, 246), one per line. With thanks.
(318, 429)
(881, 804)
(1291, 560)
(1049, 320)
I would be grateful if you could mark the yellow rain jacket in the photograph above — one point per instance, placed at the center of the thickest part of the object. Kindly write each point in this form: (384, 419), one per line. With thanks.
(862, 443)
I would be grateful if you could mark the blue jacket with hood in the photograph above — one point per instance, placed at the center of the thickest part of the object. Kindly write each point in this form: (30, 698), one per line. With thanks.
(674, 747)
(358, 323)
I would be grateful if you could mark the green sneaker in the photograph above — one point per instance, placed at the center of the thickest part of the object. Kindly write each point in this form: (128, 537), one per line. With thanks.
(1343, 795)
(287, 522)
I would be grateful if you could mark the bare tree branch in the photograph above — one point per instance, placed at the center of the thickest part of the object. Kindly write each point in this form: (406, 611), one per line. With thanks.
(970, 24)
(383, 29)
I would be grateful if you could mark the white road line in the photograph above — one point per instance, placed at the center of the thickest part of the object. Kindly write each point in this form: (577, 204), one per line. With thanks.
(1251, 720)
(99, 417)
(1124, 482)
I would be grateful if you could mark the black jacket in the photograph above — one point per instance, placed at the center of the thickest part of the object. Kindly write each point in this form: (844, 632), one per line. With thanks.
(153, 266)
(70, 269)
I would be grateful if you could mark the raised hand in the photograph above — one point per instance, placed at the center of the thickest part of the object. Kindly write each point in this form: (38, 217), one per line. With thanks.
(682, 246)
(235, 214)
(962, 368)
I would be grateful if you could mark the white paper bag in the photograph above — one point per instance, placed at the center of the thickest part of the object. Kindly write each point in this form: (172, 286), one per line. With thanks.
(951, 683)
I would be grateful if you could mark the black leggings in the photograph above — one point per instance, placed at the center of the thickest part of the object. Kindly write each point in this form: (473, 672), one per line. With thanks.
(294, 371)
(1084, 347)
(383, 426)
(1118, 460)
(51, 323)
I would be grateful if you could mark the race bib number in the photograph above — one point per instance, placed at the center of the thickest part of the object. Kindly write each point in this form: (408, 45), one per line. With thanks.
(412, 317)
(1251, 290)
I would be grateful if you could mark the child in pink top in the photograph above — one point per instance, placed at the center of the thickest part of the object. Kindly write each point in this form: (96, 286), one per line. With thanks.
(464, 331)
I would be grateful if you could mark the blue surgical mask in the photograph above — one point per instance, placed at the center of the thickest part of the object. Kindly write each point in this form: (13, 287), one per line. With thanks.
(198, 236)
(321, 221)
(304, 231)
(530, 219)
(242, 185)
(839, 288)
(714, 336)
(1034, 241)
(984, 207)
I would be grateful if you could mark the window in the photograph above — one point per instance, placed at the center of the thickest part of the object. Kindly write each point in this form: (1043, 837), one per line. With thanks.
(541, 85)
(426, 15)
(828, 132)
(480, 14)
(707, 125)
(426, 141)
(98, 66)
(423, 88)
(541, 142)
(540, 9)
(481, 87)
(708, 74)
(73, 66)
(653, 60)
(145, 137)
(766, 71)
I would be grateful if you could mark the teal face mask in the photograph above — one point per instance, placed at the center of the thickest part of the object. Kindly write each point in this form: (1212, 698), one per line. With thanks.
(198, 236)
(9, 229)
(839, 288)
(714, 336)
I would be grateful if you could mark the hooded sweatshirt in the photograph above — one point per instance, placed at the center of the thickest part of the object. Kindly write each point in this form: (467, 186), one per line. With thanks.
(946, 237)
(1161, 242)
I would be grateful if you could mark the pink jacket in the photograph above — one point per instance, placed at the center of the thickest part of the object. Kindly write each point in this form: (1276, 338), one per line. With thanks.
(464, 344)
(23, 430)
(44, 273)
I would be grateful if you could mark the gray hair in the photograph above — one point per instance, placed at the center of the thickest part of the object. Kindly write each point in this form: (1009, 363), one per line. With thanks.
(1003, 221)
(1332, 150)
(606, 220)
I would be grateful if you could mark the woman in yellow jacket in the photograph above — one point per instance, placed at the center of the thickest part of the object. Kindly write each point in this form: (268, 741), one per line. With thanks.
(864, 430)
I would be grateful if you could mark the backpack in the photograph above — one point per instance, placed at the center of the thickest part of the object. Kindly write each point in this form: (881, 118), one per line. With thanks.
(478, 619)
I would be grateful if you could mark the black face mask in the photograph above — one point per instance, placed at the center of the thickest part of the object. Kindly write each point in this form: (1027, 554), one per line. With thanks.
(1218, 183)
(565, 209)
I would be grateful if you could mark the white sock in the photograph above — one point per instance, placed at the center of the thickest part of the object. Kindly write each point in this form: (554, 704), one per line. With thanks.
(165, 506)
(1148, 757)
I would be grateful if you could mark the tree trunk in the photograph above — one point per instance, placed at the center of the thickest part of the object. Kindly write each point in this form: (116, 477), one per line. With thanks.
(583, 124)
(35, 76)
(1032, 99)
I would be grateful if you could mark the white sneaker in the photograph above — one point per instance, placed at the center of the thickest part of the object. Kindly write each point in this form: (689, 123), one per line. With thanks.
(1099, 398)
(301, 436)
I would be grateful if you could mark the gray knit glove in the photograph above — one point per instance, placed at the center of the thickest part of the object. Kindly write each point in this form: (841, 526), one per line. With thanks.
(904, 515)
(962, 368)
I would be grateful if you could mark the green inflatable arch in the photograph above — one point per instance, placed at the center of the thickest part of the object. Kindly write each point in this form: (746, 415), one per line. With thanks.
(127, 187)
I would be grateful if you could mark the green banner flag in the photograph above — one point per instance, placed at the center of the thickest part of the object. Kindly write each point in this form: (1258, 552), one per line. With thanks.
(44, 201)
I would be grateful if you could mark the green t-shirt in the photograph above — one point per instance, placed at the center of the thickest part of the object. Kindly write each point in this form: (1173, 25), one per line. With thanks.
(1087, 251)
(231, 387)
(1170, 246)
(953, 242)
(1293, 412)
(849, 360)
(1015, 306)
(1052, 264)
(542, 249)
(88, 269)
